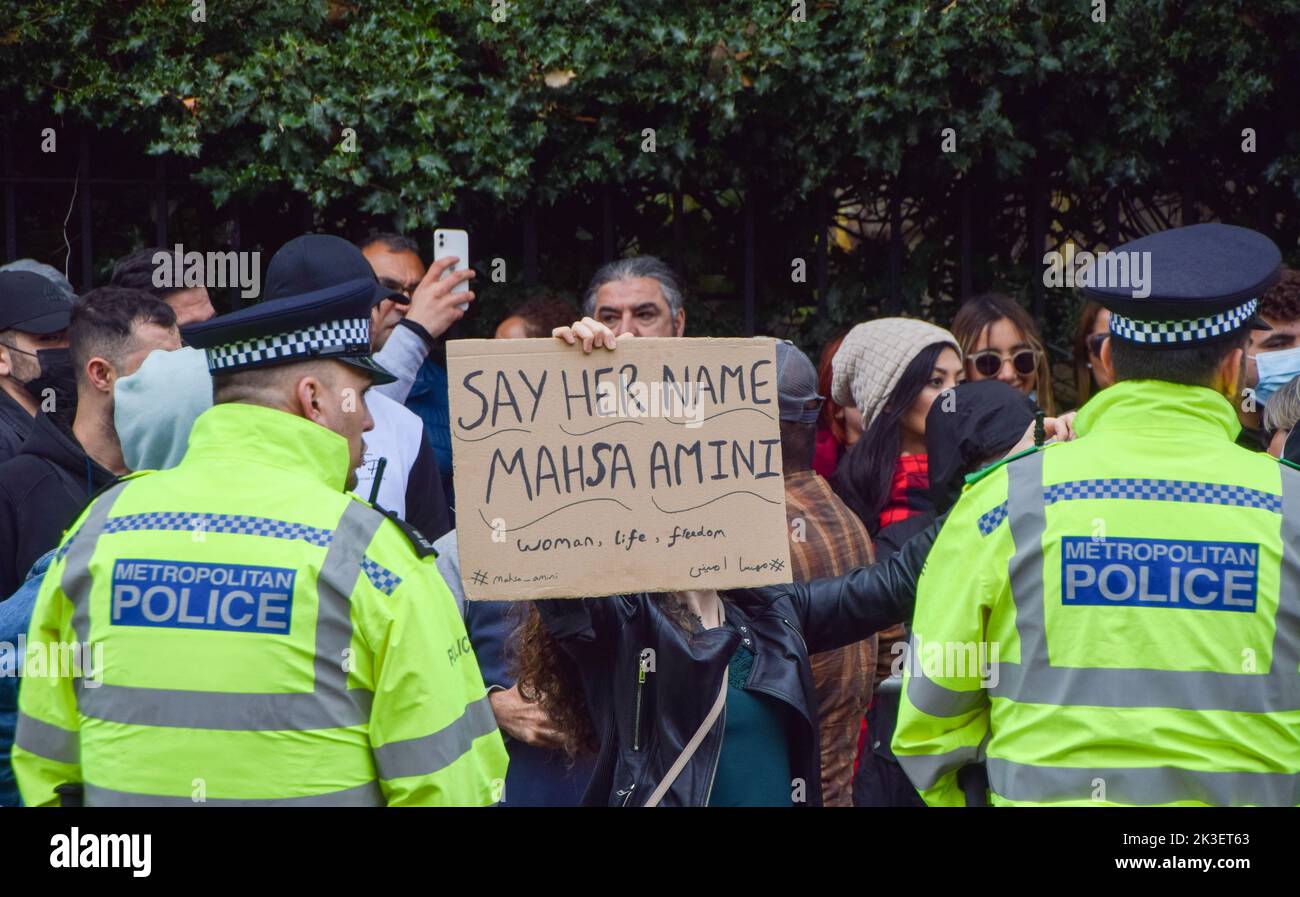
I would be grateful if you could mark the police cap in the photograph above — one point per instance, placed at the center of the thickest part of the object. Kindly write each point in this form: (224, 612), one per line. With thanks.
(1202, 284)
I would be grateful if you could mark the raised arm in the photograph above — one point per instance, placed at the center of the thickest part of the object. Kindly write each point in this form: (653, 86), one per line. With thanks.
(840, 610)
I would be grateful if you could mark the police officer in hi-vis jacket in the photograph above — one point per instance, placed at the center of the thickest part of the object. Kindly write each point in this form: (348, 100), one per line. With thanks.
(1137, 590)
(266, 637)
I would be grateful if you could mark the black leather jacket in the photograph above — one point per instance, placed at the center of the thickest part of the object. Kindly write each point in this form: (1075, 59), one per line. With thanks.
(644, 722)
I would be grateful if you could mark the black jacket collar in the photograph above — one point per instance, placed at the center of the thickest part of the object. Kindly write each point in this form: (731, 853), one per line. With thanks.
(55, 445)
(13, 415)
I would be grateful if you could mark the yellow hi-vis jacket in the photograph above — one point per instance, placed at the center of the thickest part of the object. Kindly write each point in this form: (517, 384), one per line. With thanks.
(249, 633)
(1115, 620)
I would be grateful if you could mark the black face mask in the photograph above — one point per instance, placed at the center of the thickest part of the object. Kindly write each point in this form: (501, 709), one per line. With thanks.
(55, 387)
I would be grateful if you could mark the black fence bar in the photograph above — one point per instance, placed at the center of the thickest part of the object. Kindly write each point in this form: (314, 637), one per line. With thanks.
(608, 237)
(1112, 217)
(826, 229)
(160, 203)
(895, 248)
(750, 311)
(530, 245)
(1188, 202)
(87, 247)
(679, 234)
(11, 203)
(236, 243)
(967, 275)
(1039, 199)
(94, 182)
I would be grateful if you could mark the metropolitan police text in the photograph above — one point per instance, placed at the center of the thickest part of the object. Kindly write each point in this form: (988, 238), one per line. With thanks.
(1159, 572)
(176, 594)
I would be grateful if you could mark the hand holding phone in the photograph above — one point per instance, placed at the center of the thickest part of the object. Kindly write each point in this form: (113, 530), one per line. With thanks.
(434, 303)
(453, 243)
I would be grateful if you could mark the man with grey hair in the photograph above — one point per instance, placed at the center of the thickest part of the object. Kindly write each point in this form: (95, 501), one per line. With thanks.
(638, 296)
(1281, 414)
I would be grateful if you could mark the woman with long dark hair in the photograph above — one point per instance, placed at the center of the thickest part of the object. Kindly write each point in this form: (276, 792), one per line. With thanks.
(892, 370)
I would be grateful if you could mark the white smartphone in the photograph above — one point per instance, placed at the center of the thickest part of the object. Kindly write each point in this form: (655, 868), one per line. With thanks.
(449, 241)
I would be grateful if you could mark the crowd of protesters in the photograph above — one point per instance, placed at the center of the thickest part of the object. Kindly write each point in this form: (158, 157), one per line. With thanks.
(877, 439)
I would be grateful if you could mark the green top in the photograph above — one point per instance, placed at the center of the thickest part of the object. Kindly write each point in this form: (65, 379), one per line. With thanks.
(754, 769)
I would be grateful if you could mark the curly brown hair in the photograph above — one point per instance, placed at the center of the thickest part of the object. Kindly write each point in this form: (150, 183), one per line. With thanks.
(549, 676)
(545, 673)
(1281, 302)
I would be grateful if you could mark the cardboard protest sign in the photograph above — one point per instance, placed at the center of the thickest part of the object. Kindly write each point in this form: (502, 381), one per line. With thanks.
(655, 467)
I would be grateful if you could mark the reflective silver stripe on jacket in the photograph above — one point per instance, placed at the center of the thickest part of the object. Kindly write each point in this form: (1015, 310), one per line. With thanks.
(331, 704)
(933, 699)
(1035, 680)
(76, 581)
(430, 753)
(367, 795)
(46, 740)
(1141, 785)
(925, 770)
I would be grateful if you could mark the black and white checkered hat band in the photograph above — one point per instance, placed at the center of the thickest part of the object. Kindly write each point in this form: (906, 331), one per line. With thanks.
(346, 336)
(1194, 331)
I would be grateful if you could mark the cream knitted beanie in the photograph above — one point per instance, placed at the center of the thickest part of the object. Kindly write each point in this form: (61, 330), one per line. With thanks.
(871, 360)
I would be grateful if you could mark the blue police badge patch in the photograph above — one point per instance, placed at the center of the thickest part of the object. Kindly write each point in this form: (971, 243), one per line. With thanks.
(1159, 573)
(184, 595)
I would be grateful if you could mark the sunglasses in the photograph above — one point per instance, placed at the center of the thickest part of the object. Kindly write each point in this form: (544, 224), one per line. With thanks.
(989, 362)
(1094, 343)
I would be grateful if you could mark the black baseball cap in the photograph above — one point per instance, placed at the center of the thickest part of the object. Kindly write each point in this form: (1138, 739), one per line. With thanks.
(315, 262)
(32, 304)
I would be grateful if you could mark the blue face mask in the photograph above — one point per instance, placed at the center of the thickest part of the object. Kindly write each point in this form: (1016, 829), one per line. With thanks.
(1276, 369)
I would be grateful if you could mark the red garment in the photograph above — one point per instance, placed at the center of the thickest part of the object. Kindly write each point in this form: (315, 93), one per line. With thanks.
(836, 543)
(827, 454)
(911, 475)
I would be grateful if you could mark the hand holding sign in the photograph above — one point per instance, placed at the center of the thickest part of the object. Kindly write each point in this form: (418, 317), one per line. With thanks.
(592, 333)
